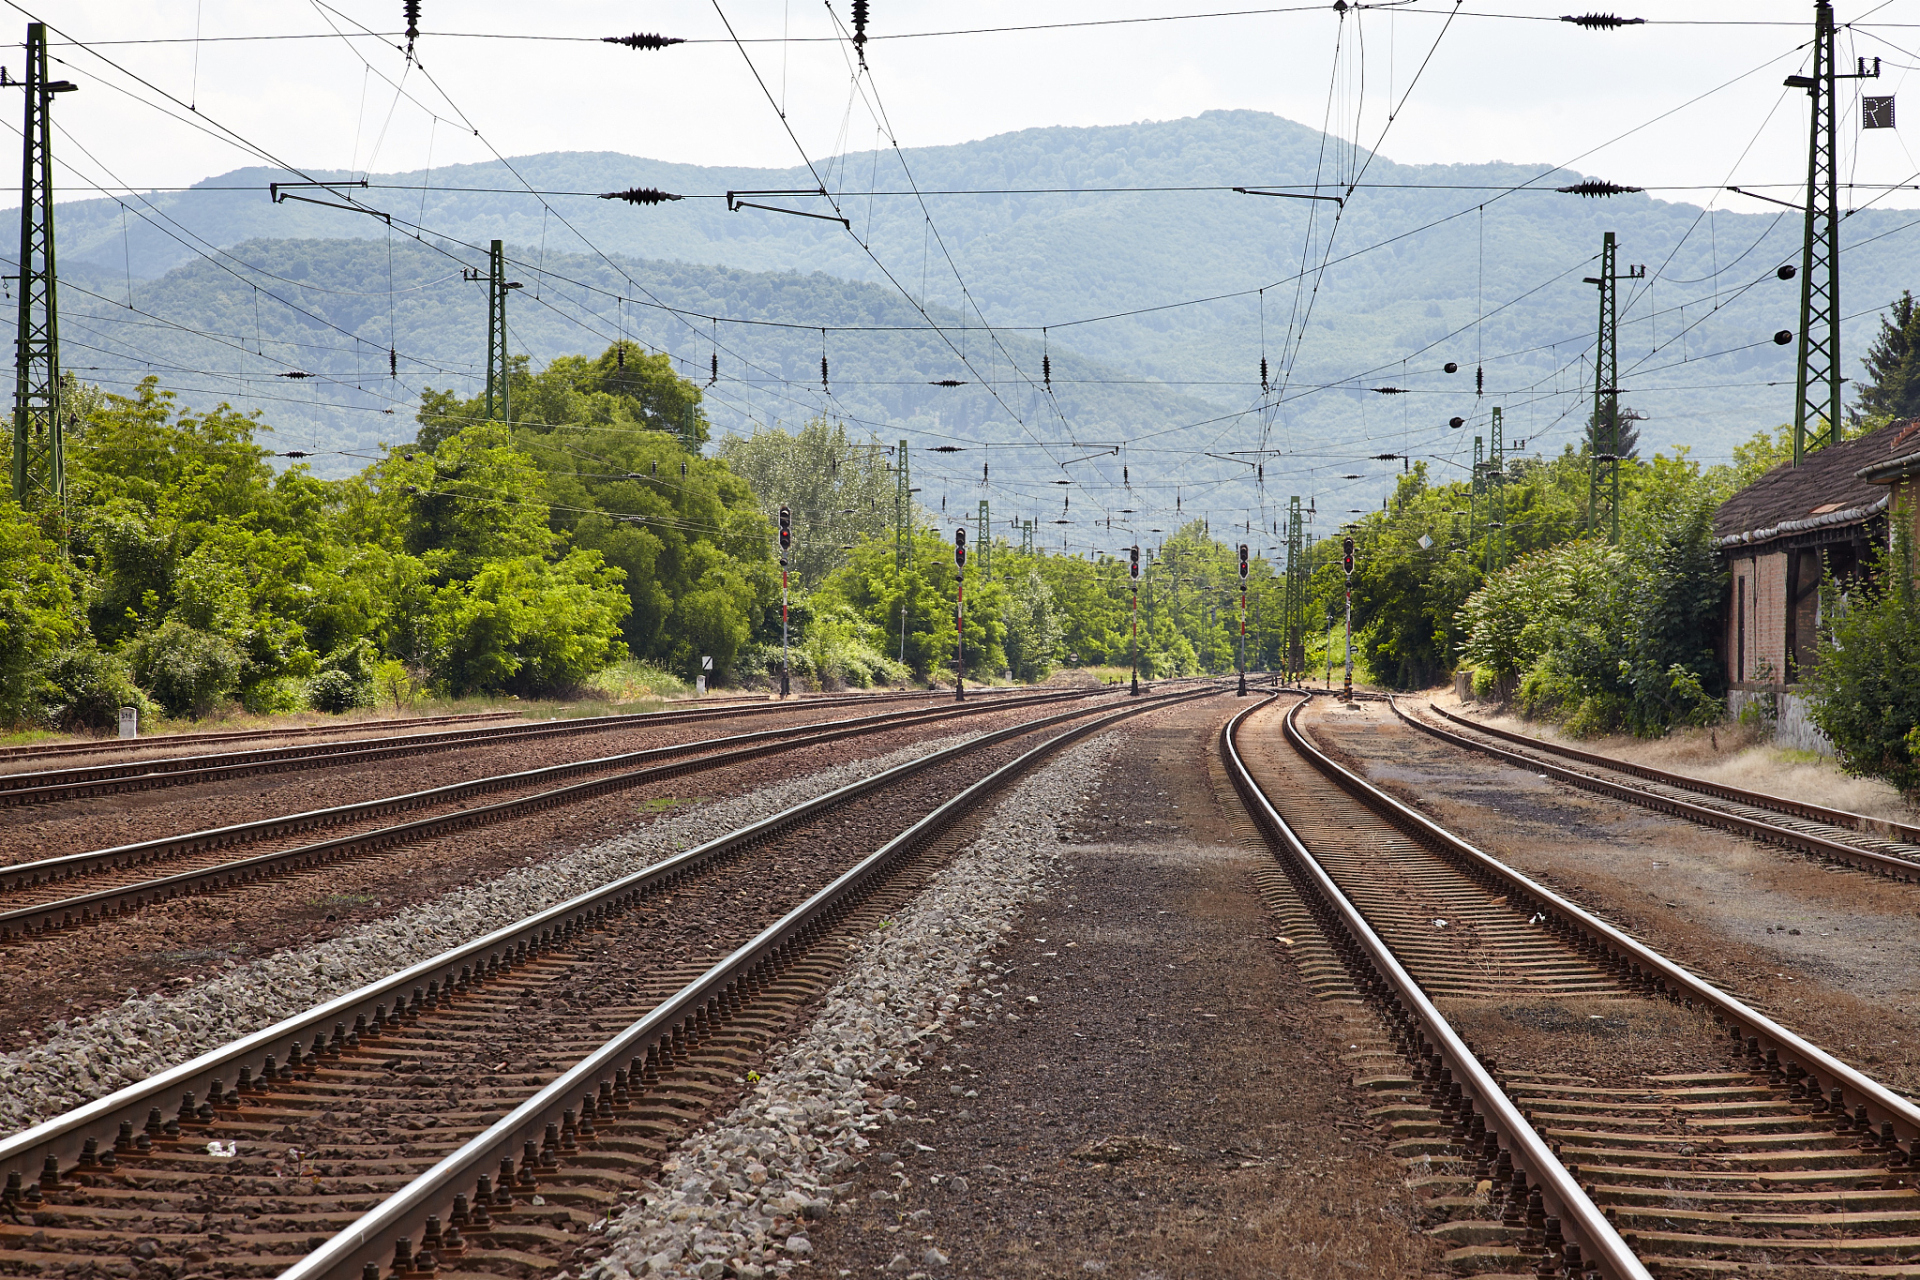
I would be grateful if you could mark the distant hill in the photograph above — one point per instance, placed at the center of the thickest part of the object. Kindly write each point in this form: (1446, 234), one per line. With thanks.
(1380, 319)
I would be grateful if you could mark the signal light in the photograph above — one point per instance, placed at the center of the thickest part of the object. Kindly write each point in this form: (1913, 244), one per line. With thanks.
(1133, 566)
(1243, 562)
(786, 528)
(960, 547)
(1346, 548)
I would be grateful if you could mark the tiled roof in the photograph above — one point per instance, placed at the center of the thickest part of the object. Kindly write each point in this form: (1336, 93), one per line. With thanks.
(1823, 491)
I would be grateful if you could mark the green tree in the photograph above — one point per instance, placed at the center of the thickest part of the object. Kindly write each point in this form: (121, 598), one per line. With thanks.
(1892, 386)
(1865, 690)
(838, 490)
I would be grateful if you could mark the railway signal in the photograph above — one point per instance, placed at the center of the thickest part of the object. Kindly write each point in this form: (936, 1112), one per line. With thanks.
(786, 541)
(960, 614)
(1133, 573)
(1346, 556)
(1244, 569)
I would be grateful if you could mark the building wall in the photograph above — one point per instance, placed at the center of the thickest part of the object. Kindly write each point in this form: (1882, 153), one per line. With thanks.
(1765, 583)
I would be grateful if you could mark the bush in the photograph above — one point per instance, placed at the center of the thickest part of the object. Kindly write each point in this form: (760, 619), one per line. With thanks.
(345, 679)
(188, 672)
(336, 691)
(1866, 686)
(85, 687)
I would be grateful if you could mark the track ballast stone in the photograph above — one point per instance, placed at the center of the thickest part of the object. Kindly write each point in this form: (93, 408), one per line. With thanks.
(735, 1197)
(148, 1034)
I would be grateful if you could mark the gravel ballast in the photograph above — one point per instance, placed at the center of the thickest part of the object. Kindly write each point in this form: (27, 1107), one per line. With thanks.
(146, 1034)
(736, 1196)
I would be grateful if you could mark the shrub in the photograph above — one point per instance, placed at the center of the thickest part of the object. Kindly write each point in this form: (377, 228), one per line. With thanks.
(1866, 686)
(188, 672)
(85, 687)
(345, 679)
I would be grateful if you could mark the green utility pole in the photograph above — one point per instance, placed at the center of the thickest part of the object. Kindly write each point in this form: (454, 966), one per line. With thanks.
(1026, 537)
(902, 512)
(39, 421)
(1295, 617)
(1476, 488)
(497, 333)
(984, 543)
(1816, 377)
(1496, 504)
(1603, 453)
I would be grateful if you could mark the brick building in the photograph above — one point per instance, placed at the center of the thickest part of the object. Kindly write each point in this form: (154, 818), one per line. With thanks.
(1779, 535)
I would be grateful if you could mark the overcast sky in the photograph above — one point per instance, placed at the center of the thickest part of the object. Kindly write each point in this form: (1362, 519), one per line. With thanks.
(1493, 88)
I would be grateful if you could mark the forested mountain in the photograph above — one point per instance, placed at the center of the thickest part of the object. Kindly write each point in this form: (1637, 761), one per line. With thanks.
(1413, 259)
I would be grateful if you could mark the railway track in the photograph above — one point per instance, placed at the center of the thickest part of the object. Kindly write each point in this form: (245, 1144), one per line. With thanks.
(1868, 843)
(80, 890)
(478, 1113)
(161, 742)
(48, 786)
(1574, 1103)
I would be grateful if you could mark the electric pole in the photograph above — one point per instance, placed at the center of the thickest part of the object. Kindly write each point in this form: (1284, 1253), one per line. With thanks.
(1346, 547)
(1296, 598)
(902, 512)
(1816, 377)
(1243, 620)
(1026, 537)
(498, 407)
(983, 536)
(786, 541)
(1496, 504)
(1603, 437)
(39, 419)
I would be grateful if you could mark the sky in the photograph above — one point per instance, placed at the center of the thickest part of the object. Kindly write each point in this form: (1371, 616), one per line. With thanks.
(175, 91)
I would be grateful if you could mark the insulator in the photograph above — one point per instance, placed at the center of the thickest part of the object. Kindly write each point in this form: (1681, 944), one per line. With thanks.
(620, 356)
(1263, 373)
(713, 374)
(1479, 379)
(412, 9)
(1046, 371)
(393, 363)
(1125, 479)
(1450, 367)
(1600, 21)
(639, 41)
(860, 30)
(1593, 188)
(947, 382)
(983, 473)
(823, 373)
(641, 195)
(1260, 472)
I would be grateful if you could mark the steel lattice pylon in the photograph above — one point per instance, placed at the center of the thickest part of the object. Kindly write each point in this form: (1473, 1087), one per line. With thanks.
(497, 334)
(1816, 380)
(39, 425)
(1603, 453)
(902, 511)
(1496, 480)
(1298, 572)
(983, 540)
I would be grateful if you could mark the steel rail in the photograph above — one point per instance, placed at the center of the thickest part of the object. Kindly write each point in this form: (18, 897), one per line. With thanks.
(86, 908)
(1864, 823)
(61, 1143)
(1632, 960)
(18, 789)
(154, 742)
(22, 875)
(1866, 859)
(369, 1242)
(1580, 1219)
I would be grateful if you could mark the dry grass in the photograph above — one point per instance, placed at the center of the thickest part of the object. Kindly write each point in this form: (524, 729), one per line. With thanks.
(1733, 755)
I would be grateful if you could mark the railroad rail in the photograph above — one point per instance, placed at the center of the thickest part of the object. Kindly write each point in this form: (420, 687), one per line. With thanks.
(411, 1140)
(47, 786)
(1762, 1150)
(1871, 844)
(22, 921)
(157, 742)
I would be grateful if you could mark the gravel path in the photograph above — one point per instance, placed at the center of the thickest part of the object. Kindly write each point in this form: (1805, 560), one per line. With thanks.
(737, 1194)
(146, 1034)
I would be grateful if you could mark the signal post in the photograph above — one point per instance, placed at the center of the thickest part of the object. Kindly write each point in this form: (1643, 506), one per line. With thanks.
(960, 614)
(1346, 547)
(786, 541)
(1243, 620)
(1133, 573)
